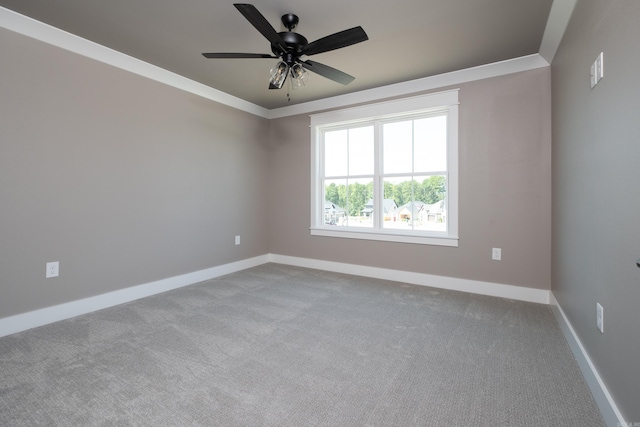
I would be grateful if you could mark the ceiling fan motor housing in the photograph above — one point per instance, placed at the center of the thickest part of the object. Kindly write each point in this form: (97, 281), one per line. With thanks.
(294, 41)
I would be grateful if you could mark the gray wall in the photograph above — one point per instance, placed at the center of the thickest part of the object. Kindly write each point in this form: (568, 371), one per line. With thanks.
(505, 191)
(596, 198)
(123, 180)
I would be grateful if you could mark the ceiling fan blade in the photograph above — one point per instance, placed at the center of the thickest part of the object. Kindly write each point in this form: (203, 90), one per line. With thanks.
(261, 24)
(336, 41)
(237, 55)
(328, 72)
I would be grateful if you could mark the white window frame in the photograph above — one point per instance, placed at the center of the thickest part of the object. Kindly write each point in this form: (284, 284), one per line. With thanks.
(446, 101)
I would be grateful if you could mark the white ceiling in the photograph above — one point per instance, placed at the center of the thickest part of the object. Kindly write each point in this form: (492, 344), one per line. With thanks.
(408, 39)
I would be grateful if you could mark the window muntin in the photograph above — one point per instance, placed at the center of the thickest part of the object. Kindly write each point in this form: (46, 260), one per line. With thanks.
(387, 177)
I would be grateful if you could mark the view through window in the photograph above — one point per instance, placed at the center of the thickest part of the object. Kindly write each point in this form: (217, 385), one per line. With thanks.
(388, 176)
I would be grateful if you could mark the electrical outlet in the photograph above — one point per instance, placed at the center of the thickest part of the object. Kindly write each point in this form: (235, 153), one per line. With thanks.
(597, 70)
(237, 240)
(600, 317)
(53, 269)
(496, 254)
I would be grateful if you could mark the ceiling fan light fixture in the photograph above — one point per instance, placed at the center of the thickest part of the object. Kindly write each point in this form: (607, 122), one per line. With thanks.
(278, 75)
(293, 49)
(299, 76)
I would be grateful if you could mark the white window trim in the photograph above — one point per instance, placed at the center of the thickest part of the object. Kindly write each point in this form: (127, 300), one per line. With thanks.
(447, 100)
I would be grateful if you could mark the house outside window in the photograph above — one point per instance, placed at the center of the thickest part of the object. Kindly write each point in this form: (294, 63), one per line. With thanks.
(389, 170)
(388, 206)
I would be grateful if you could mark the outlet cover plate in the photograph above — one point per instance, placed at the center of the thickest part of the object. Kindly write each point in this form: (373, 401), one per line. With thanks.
(600, 317)
(53, 269)
(597, 70)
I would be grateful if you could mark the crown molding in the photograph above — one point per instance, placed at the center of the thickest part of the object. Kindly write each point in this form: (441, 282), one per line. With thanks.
(481, 72)
(557, 22)
(46, 33)
(559, 16)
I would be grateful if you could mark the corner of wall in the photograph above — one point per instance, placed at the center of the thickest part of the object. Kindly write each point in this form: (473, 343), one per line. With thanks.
(601, 395)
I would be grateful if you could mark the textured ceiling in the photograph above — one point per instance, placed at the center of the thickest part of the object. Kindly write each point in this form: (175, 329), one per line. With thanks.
(408, 39)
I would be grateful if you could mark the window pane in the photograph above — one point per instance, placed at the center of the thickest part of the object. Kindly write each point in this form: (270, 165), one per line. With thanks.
(335, 153)
(400, 190)
(349, 152)
(360, 200)
(335, 200)
(397, 147)
(430, 144)
(430, 189)
(419, 203)
(347, 202)
(431, 192)
(361, 151)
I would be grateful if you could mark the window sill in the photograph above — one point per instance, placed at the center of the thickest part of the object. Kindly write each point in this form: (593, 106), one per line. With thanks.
(387, 236)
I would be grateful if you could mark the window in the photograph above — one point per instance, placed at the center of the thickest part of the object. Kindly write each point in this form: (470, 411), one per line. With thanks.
(387, 171)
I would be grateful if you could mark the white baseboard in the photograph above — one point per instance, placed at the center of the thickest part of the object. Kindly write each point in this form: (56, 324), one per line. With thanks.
(465, 285)
(604, 400)
(32, 319)
(21, 322)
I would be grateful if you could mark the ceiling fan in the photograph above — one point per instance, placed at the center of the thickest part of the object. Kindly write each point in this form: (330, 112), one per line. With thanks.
(293, 49)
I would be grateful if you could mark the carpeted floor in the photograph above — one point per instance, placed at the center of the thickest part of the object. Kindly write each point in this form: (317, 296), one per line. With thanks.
(283, 346)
